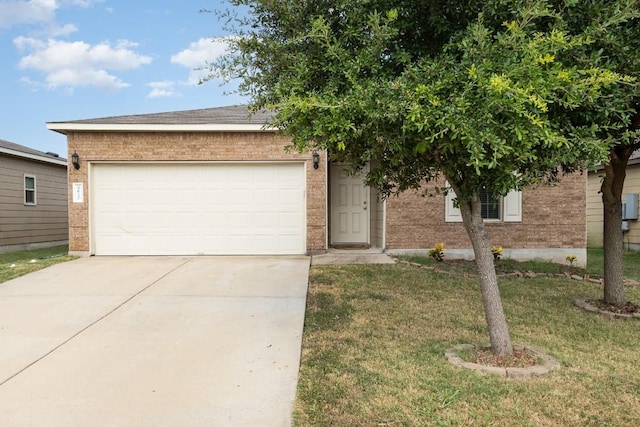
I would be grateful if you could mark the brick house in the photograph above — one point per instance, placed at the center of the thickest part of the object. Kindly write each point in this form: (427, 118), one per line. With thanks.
(216, 181)
(33, 198)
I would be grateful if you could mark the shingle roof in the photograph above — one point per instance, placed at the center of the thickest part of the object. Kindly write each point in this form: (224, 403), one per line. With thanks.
(22, 151)
(232, 115)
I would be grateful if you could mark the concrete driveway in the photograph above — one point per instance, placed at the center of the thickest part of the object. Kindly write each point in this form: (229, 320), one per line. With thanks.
(153, 341)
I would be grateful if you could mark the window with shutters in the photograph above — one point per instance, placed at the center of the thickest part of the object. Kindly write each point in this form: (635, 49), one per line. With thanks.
(506, 209)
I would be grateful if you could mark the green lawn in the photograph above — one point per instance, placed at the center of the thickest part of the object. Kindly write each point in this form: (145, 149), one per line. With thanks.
(16, 264)
(631, 260)
(375, 336)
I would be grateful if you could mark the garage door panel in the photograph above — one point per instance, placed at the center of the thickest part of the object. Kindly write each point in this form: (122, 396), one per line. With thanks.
(111, 221)
(289, 220)
(190, 209)
(288, 240)
(186, 196)
(238, 174)
(289, 196)
(264, 175)
(287, 175)
(265, 196)
(214, 219)
(112, 196)
(137, 222)
(216, 206)
(264, 242)
(238, 196)
(238, 222)
(265, 219)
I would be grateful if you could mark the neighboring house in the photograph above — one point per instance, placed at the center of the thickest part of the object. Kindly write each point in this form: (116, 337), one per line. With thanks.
(216, 181)
(33, 198)
(595, 209)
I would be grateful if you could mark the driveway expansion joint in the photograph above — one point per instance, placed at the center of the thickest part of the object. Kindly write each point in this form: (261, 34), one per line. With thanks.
(63, 343)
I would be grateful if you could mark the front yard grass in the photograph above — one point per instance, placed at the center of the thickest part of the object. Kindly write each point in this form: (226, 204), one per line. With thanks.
(375, 336)
(630, 259)
(16, 264)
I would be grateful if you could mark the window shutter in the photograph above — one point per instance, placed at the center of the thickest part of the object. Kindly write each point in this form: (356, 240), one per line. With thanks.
(512, 203)
(451, 213)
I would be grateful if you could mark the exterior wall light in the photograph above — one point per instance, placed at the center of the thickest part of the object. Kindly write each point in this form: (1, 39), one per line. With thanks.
(75, 160)
(316, 160)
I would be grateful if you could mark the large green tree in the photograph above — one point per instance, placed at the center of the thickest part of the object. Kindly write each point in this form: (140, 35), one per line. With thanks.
(469, 92)
(618, 48)
(614, 30)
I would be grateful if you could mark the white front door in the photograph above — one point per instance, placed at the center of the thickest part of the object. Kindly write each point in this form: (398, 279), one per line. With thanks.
(349, 207)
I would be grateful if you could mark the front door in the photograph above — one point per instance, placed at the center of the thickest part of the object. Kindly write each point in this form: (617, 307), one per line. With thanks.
(349, 208)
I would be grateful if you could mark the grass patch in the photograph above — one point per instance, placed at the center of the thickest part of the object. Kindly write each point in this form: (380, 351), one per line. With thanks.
(16, 264)
(630, 260)
(375, 336)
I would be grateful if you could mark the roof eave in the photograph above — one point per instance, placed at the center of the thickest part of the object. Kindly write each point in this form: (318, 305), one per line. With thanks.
(31, 156)
(64, 127)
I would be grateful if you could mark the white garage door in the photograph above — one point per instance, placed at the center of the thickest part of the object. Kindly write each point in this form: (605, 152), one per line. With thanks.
(194, 209)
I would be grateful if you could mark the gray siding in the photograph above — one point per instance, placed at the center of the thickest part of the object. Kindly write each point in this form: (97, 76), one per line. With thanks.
(48, 220)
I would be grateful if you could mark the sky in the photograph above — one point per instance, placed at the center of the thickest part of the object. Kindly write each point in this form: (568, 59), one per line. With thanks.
(65, 60)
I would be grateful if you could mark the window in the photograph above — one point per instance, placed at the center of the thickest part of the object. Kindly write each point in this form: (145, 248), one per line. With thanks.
(489, 205)
(29, 190)
(506, 209)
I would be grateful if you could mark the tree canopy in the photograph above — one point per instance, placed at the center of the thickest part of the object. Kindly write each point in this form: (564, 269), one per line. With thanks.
(492, 96)
(428, 87)
(615, 46)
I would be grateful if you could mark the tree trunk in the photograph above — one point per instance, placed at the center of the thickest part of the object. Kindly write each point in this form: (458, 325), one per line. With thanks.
(613, 238)
(494, 313)
(611, 189)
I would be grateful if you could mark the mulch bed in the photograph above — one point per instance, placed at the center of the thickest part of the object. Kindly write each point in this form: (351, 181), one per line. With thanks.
(519, 358)
(467, 269)
(628, 308)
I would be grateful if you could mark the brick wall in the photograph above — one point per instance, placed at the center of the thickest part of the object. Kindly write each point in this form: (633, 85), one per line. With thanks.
(552, 217)
(187, 146)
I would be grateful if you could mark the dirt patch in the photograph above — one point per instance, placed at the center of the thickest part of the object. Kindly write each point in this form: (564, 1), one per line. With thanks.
(519, 359)
(627, 308)
(626, 311)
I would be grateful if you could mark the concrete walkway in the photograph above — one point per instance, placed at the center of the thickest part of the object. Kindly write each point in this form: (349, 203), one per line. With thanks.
(153, 341)
(352, 256)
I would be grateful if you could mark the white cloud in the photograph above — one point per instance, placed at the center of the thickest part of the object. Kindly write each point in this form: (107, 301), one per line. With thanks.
(41, 13)
(15, 12)
(162, 89)
(30, 83)
(71, 64)
(64, 30)
(198, 54)
(81, 3)
(77, 77)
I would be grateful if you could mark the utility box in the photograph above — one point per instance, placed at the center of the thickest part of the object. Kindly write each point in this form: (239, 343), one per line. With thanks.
(625, 226)
(630, 206)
